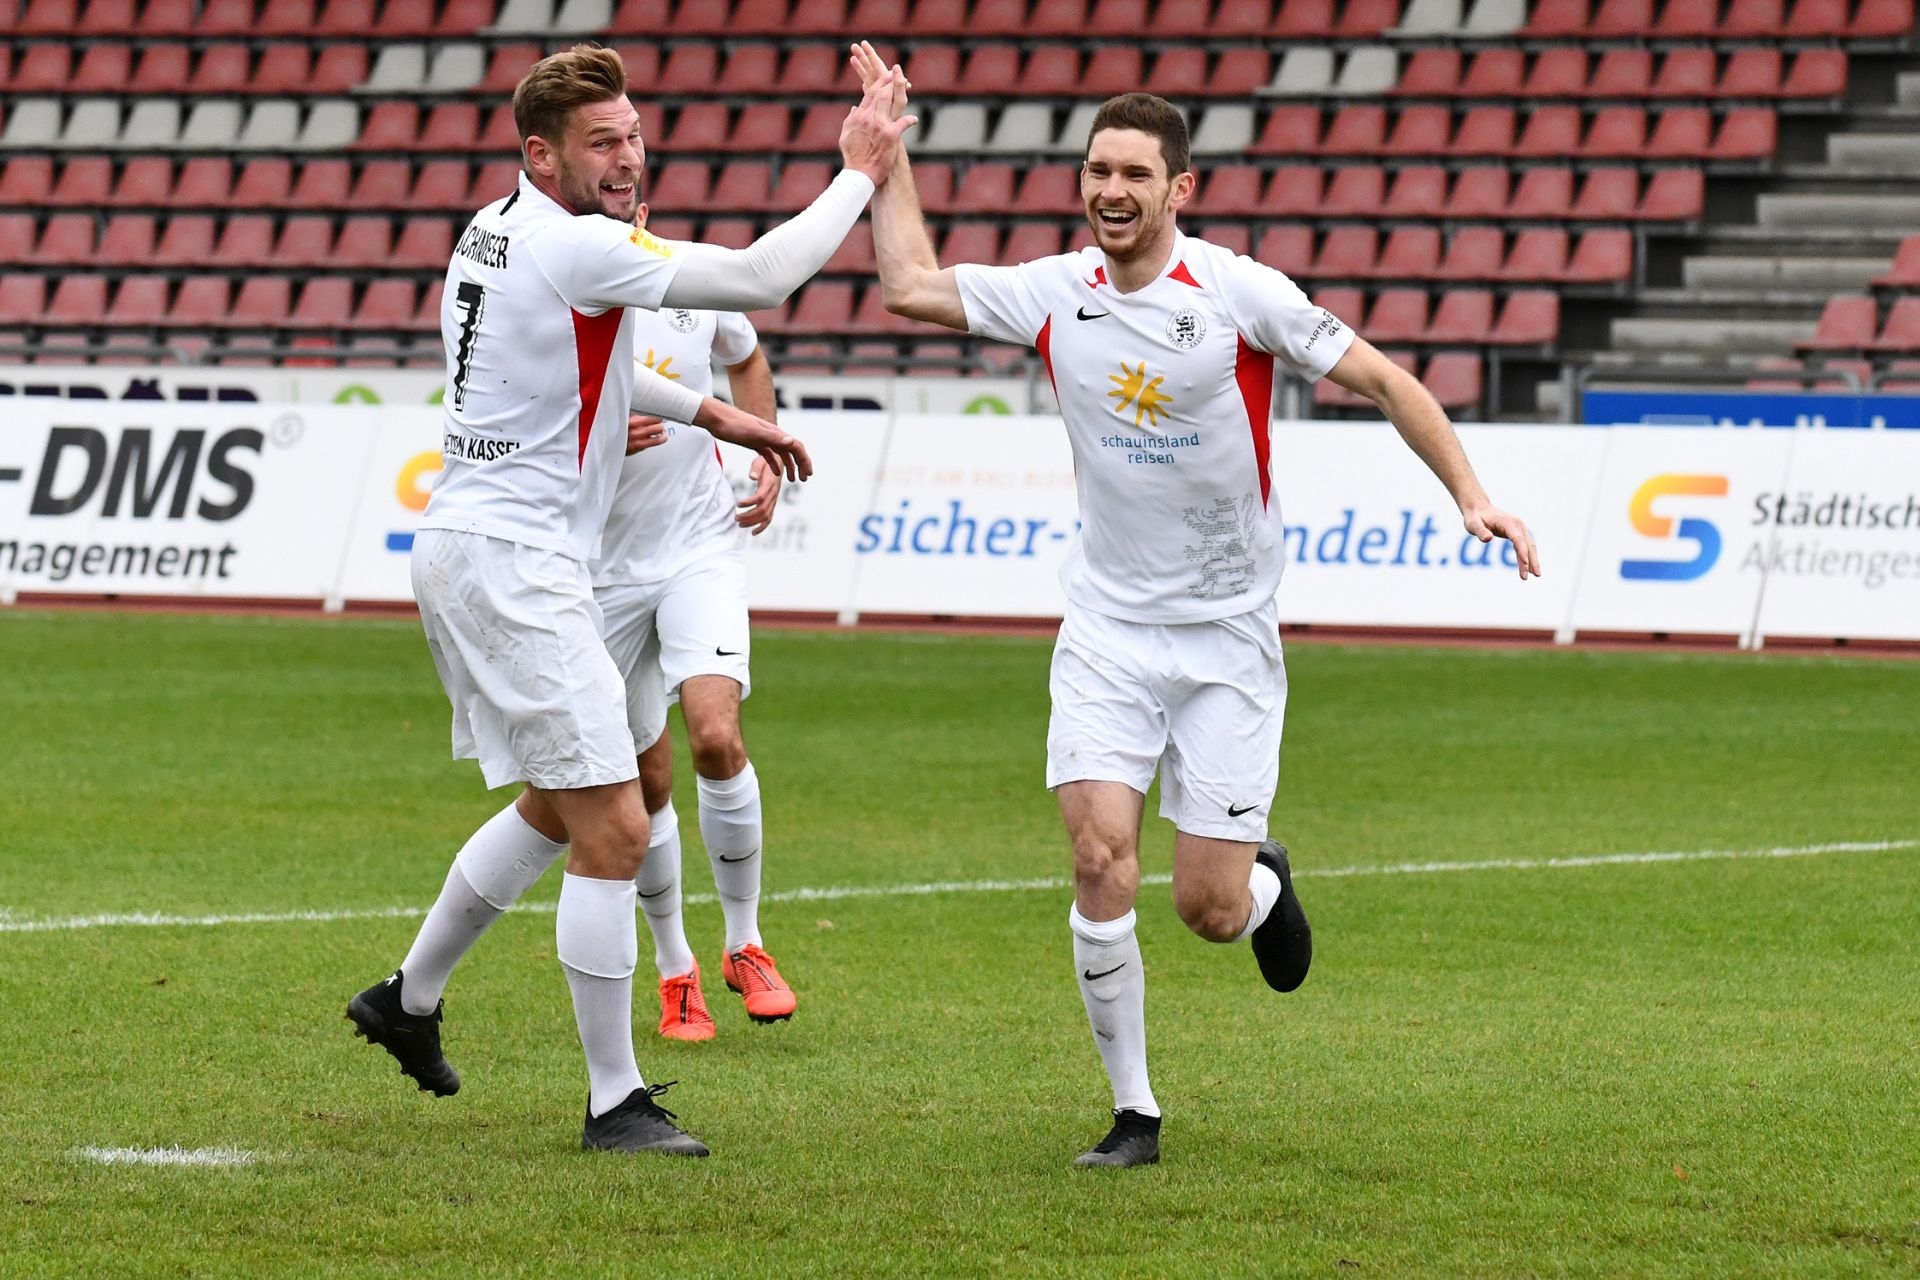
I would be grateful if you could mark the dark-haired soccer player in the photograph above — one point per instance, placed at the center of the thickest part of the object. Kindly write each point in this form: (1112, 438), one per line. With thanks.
(1161, 351)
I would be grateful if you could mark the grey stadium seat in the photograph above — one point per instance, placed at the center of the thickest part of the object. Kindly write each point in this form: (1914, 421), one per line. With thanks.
(1304, 71)
(330, 126)
(397, 68)
(1369, 71)
(578, 17)
(212, 125)
(93, 122)
(153, 124)
(272, 125)
(956, 127)
(1225, 129)
(33, 122)
(456, 67)
(1072, 138)
(1429, 18)
(1495, 17)
(525, 17)
(1024, 126)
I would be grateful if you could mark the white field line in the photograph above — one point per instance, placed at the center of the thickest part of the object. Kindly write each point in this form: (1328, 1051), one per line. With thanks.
(203, 1157)
(11, 922)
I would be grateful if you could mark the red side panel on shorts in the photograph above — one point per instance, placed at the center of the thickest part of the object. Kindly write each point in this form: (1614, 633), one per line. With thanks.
(1043, 343)
(1253, 370)
(593, 346)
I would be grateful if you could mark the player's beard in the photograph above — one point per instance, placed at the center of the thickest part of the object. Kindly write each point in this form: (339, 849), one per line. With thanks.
(1140, 236)
(584, 196)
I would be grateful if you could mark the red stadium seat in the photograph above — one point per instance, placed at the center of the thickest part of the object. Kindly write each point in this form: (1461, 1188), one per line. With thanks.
(855, 254)
(424, 244)
(286, 18)
(870, 16)
(1295, 20)
(1686, 73)
(987, 188)
(1680, 133)
(702, 126)
(1054, 69)
(751, 68)
(819, 129)
(1238, 73)
(1603, 256)
(801, 181)
(1751, 73)
(48, 68)
(692, 68)
(1557, 19)
(1479, 192)
(1356, 131)
(1530, 317)
(387, 304)
(26, 181)
(1816, 19)
(437, 184)
(934, 70)
(67, 240)
(1905, 271)
(1753, 20)
(364, 241)
(817, 70)
(51, 18)
(825, 306)
(509, 62)
(450, 126)
(23, 299)
(1058, 18)
(1847, 323)
(1609, 193)
(1476, 253)
(465, 17)
(1358, 18)
(1420, 131)
(1295, 190)
(427, 317)
(1538, 253)
(1110, 71)
(1882, 20)
(223, 69)
(1418, 191)
(1170, 18)
(1558, 73)
(1029, 241)
(1050, 188)
(1817, 73)
(85, 182)
(1231, 189)
(1410, 253)
(337, 67)
(140, 300)
(495, 181)
(998, 17)
(129, 240)
(682, 184)
(1746, 133)
(382, 184)
(1674, 195)
(263, 302)
(1286, 248)
(1430, 73)
(246, 240)
(145, 180)
(286, 69)
(991, 70)
(1902, 329)
(406, 18)
(1688, 20)
(265, 183)
(1355, 191)
(1347, 253)
(1544, 194)
(744, 185)
(305, 241)
(762, 18)
(203, 302)
(1464, 315)
(1495, 73)
(971, 242)
(1348, 304)
(78, 300)
(1289, 130)
(187, 241)
(1454, 378)
(325, 303)
(1622, 20)
(1397, 315)
(1485, 131)
(1616, 132)
(389, 126)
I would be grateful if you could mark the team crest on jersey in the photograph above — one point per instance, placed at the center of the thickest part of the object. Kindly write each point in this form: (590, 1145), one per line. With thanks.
(1185, 328)
(679, 320)
(1133, 390)
(647, 242)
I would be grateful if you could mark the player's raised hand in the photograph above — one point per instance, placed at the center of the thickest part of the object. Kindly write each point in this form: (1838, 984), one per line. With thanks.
(870, 138)
(783, 452)
(870, 66)
(756, 513)
(644, 431)
(1488, 523)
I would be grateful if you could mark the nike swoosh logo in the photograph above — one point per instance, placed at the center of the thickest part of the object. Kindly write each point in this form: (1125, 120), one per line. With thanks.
(1246, 808)
(718, 652)
(1083, 314)
(742, 858)
(656, 893)
(1091, 976)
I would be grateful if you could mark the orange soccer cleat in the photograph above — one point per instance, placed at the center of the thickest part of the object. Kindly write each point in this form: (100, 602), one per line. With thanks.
(751, 972)
(683, 1010)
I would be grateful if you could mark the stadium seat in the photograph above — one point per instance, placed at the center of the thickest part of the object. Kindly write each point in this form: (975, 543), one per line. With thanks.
(956, 128)
(1356, 131)
(692, 68)
(32, 123)
(305, 241)
(285, 69)
(1559, 72)
(1347, 253)
(1479, 191)
(1303, 71)
(825, 306)
(23, 299)
(382, 184)
(246, 240)
(1418, 191)
(265, 183)
(426, 318)
(202, 302)
(1462, 316)
(802, 180)
(1225, 129)
(1344, 301)
(1420, 131)
(1688, 20)
(1881, 20)
(1538, 253)
(1397, 315)
(1496, 73)
(1369, 71)
(987, 188)
(1616, 132)
(1601, 256)
(1608, 193)
(1850, 322)
(1746, 133)
(855, 254)
(1454, 378)
(1476, 253)
(1816, 73)
(816, 70)
(1029, 241)
(1686, 73)
(1544, 194)
(1905, 271)
(1050, 188)
(1901, 332)
(1557, 19)
(1681, 133)
(364, 242)
(84, 182)
(262, 302)
(78, 300)
(67, 240)
(337, 68)
(1494, 18)
(1355, 191)
(1410, 253)
(1288, 130)
(129, 240)
(1357, 18)
(204, 182)
(287, 18)
(970, 242)
(1529, 317)
(1621, 20)
(1750, 73)
(1231, 190)
(1295, 190)
(1484, 131)
(744, 185)
(496, 180)
(424, 244)
(1429, 73)
(1429, 18)
(48, 68)
(1286, 248)
(140, 300)
(325, 302)
(223, 68)
(1023, 127)
(187, 241)
(1674, 195)
(152, 125)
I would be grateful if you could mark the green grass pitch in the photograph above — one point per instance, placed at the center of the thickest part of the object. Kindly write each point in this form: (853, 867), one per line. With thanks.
(1701, 1067)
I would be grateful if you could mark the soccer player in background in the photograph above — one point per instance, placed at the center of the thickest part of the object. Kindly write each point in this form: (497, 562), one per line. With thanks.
(538, 336)
(671, 583)
(1161, 348)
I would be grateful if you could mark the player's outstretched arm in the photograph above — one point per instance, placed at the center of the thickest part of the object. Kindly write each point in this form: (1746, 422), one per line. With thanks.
(765, 272)
(1423, 424)
(751, 381)
(911, 281)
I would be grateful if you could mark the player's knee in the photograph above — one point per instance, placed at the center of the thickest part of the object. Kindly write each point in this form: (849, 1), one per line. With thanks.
(1212, 917)
(718, 751)
(1098, 858)
(656, 783)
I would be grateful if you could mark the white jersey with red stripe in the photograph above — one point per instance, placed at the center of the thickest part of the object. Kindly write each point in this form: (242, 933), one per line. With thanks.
(675, 503)
(539, 371)
(1166, 393)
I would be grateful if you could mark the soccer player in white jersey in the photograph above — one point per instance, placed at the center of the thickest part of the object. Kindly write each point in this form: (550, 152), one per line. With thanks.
(1161, 351)
(671, 582)
(538, 335)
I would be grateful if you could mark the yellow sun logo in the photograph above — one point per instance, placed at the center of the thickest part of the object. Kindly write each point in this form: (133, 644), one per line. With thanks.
(664, 368)
(1132, 388)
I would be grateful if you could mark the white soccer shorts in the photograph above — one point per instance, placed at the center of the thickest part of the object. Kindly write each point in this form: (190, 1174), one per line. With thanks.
(662, 634)
(515, 634)
(1200, 703)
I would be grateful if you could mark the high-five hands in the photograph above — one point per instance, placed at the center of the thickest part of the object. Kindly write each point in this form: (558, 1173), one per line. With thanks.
(870, 138)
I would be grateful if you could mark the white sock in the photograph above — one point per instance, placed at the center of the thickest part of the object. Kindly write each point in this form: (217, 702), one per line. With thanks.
(598, 947)
(1264, 885)
(659, 891)
(1106, 957)
(498, 863)
(730, 824)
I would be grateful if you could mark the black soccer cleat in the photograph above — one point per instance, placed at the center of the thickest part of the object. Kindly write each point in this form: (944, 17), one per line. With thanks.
(1134, 1139)
(1283, 944)
(640, 1124)
(412, 1038)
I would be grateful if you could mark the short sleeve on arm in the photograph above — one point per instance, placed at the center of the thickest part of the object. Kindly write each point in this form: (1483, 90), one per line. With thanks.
(1276, 317)
(733, 337)
(1005, 303)
(598, 264)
